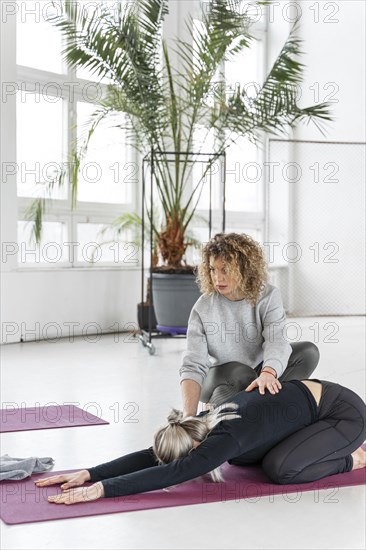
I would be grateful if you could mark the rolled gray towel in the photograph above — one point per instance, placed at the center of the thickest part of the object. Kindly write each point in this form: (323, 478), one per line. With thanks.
(19, 468)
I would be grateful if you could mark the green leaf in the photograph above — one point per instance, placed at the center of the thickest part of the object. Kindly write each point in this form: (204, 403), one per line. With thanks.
(163, 103)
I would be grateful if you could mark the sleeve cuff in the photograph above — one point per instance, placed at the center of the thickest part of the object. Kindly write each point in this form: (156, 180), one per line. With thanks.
(274, 364)
(109, 490)
(196, 377)
(93, 477)
(112, 489)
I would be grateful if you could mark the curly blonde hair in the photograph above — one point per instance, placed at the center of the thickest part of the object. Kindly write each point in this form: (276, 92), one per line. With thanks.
(244, 260)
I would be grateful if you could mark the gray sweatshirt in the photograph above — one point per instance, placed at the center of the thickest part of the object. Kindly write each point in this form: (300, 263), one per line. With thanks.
(220, 330)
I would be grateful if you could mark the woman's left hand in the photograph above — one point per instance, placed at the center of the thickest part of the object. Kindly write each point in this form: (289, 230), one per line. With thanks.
(81, 494)
(265, 380)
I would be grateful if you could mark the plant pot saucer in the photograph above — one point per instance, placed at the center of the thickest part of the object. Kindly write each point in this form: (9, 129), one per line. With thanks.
(181, 270)
(172, 330)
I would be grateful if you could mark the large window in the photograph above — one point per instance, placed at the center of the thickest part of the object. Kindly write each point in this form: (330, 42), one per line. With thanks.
(244, 177)
(38, 43)
(106, 176)
(40, 143)
(54, 105)
(244, 184)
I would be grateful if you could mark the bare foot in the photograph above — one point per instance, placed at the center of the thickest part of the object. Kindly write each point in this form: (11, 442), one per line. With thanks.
(359, 459)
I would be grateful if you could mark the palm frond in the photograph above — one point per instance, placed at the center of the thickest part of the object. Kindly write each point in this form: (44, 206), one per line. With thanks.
(275, 108)
(163, 104)
(123, 45)
(34, 214)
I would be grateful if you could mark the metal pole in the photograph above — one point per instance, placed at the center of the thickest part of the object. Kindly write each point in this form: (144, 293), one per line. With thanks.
(210, 210)
(151, 237)
(224, 194)
(142, 233)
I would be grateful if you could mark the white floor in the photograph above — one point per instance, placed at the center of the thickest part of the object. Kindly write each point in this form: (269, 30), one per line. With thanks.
(118, 379)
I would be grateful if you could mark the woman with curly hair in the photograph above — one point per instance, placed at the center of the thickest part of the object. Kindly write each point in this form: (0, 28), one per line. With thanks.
(295, 434)
(235, 336)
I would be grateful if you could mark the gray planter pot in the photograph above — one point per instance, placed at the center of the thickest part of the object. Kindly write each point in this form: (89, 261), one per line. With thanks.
(173, 298)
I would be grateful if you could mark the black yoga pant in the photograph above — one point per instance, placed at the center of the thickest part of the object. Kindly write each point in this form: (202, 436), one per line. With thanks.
(224, 381)
(323, 448)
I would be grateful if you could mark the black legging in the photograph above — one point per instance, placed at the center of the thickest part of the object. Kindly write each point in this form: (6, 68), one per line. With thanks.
(323, 448)
(224, 381)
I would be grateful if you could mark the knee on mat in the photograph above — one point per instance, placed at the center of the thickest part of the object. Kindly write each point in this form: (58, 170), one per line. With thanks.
(276, 471)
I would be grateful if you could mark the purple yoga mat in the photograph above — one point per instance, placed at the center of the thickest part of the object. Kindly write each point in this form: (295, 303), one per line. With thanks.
(40, 418)
(24, 502)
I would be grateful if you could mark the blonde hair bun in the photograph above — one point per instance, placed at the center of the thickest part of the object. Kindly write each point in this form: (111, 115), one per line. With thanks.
(175, 416)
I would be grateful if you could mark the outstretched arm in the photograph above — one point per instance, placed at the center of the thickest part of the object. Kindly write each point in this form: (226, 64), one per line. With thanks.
(125, 464)
(211, 453)
(219, 447)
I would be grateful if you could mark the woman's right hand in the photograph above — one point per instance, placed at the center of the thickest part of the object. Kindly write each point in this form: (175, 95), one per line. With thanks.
(68, 480)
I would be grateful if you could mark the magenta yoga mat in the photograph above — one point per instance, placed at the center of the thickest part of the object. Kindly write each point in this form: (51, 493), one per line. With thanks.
(40, 418)
(23, 502)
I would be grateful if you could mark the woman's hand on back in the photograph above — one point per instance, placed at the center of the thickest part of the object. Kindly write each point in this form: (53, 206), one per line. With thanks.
(265, 380)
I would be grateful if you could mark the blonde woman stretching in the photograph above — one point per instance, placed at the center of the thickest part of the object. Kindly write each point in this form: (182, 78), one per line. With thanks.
(309, 430)
(236, 337)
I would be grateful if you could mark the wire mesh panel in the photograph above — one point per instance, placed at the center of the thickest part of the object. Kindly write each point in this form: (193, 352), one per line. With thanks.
(176, 187)
(316, 224)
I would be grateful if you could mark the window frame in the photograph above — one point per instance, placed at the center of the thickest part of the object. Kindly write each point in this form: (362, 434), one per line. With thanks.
(248, 219)
(60, 210)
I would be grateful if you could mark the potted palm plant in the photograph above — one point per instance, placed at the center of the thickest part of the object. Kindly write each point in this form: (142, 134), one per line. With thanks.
(165, 102)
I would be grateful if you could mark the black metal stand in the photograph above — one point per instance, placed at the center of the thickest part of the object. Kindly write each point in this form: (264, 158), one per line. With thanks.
(152, 158)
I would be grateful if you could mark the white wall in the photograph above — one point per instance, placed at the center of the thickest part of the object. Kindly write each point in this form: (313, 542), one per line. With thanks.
(325, 216)
(334, 53)
(50, 304)
(54, 302)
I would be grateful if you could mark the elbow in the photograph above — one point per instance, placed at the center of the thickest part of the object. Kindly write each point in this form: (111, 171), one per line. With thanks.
(192, 373)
